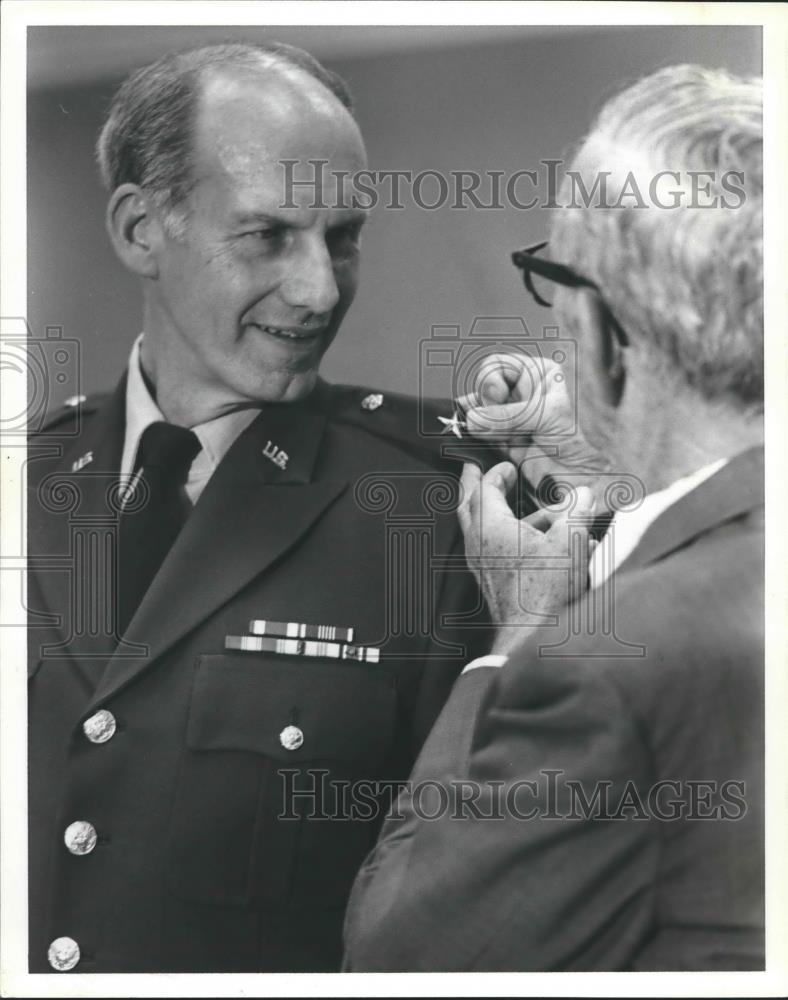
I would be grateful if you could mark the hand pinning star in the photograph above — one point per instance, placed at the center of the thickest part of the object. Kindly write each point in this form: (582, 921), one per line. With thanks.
(455, 425)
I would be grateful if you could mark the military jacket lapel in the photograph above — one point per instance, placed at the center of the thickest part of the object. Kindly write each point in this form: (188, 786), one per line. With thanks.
(260, 501)
(72, 514)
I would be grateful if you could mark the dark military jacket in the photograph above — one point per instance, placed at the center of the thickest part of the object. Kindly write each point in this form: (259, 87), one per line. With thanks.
(194, 808)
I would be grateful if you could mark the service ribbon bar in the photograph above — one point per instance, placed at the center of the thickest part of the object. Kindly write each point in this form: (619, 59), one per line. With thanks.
(300, 630)
(302, 647)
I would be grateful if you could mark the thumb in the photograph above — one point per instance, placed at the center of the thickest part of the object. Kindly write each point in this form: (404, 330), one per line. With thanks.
(495, 485)
(582, 507)
(585, 504)
(578, 511)
(572, 527)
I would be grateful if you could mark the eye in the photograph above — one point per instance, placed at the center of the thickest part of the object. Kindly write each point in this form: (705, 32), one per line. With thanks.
(344, 241)
(265, 239)
(264, 235)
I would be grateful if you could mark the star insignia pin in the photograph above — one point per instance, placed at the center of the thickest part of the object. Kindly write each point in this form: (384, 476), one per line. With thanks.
(454, 425)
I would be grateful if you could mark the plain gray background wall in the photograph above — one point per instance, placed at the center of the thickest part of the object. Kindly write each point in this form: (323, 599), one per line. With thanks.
(426, 100)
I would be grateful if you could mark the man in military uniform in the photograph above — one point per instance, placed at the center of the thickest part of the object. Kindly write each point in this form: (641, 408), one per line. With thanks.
(241, 578)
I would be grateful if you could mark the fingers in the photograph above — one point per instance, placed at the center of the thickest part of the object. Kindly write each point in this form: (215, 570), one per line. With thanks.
(581, 506)
(496, 542)
(574, 524)
(496, 378)
(495, 484)
(506, 420)
(579, 511)
(484, 496)
(542, 519)
(516, 397)
(584, 504)
(469, 481)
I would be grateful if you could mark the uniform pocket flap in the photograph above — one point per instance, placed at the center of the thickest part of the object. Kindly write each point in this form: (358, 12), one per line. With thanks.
(291, 711)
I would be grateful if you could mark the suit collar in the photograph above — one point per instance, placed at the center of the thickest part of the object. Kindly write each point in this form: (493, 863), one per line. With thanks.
(736, 489)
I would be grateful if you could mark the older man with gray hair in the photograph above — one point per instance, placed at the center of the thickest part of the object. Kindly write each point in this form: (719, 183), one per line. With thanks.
(591, 797)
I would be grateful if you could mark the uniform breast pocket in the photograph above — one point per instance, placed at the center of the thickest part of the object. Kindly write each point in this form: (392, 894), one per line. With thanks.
(256, 820)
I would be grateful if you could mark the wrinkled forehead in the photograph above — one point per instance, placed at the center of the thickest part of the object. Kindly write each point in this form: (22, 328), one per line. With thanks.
(248, 122)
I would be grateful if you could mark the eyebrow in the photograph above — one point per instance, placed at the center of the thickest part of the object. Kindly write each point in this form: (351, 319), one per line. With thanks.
(350, 215)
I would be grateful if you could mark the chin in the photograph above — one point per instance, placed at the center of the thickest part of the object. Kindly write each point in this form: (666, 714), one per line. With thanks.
(284, 387)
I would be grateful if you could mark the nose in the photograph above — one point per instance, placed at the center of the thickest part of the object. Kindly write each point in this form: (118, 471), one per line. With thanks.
(310, 282)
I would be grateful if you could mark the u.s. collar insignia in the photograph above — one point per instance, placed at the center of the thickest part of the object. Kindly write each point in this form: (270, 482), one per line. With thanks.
(276, 455)
(82, 461)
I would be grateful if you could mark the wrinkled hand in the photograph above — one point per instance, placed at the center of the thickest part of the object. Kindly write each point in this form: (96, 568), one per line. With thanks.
(522, 565)
(524, 404)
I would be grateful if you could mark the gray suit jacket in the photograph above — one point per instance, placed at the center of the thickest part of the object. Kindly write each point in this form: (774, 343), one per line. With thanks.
(627, 778)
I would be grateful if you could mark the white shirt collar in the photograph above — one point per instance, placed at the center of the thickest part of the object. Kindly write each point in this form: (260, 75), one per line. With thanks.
(141, 410)
(216, 436)
(628, 527)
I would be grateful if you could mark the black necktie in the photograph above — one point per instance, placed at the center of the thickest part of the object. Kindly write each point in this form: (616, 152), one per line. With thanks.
(155, 511)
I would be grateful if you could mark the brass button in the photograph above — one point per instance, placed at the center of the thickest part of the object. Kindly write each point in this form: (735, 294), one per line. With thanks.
(63, 954)
(100, 727)
(80, 837)
(291, 737)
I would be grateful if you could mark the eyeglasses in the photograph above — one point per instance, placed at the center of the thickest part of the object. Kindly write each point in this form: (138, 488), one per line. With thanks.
(529, 264)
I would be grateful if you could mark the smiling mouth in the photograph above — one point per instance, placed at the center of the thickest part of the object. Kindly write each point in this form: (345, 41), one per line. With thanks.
(290, 333)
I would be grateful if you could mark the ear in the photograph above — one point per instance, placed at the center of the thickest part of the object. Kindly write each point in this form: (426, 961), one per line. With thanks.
(601, 350)
(135, 229)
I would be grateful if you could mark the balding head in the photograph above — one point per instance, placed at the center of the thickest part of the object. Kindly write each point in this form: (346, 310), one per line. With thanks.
(148, 137)
(248, 119)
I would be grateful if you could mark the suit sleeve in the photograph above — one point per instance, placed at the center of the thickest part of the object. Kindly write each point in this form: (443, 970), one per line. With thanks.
(447, 749)
(477, 870)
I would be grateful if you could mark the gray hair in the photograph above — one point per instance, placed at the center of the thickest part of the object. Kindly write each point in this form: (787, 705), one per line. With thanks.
(687, 279)
(147, 136)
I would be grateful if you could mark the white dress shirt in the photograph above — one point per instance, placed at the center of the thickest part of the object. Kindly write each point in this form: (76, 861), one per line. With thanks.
(629, 526)
(216, 436)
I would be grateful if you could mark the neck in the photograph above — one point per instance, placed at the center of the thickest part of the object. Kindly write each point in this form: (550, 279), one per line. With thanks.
(679, 432)
(171, 394)
(179, 393)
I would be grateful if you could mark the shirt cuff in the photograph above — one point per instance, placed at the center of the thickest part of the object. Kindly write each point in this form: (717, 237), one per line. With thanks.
(493, 660)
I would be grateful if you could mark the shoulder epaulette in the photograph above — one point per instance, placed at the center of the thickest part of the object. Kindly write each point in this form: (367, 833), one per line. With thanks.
(408, 422)
(68, 411)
